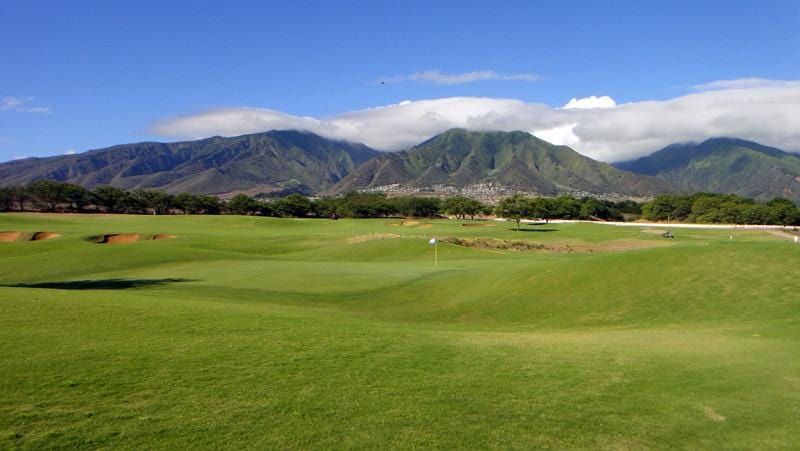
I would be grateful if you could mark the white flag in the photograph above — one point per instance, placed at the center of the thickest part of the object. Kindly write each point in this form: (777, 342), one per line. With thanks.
(432, 241)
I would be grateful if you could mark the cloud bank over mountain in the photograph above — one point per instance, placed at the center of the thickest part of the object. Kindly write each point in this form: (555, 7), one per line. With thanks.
(765, 111)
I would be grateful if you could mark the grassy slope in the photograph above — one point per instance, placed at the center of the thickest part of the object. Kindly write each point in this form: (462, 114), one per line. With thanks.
(304, 333)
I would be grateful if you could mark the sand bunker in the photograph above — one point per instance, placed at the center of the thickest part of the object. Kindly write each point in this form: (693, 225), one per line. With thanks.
(116, 238)
(40, 236)
(123, 238)
(409, 223)
(9, 236)
(425, 226)
(483, 224)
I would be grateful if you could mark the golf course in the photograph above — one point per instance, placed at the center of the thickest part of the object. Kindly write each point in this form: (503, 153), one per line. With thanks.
(240, 332)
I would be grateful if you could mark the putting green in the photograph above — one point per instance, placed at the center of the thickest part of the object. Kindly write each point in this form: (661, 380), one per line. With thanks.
(243, 332)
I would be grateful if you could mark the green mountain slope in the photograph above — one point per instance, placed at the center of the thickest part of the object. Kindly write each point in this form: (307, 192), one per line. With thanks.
(266, 161)
(514, 161)
(725, 165)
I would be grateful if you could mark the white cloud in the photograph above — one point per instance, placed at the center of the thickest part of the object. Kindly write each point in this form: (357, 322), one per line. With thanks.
(35, 109)
(19, 157)
(12, 102)
(590, 102)
(563, 135)
(743, 83)
(16, 103)
(439, 78)
(70, 152)
(767, 114)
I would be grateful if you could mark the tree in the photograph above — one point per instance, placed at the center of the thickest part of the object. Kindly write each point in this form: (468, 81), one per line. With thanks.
(196, 203)
(242, 204)
(155, 200)
(756, 214)
(111, 199)
(424, 207)
(77, 196)
(516, 207)
(47, 194)
(461, 207)
(473, 207)
(205, 204)
(293, 205)
(592, 208)
(666, 207)
(628, 206)
(784, 211)
(7, 199)
(565, 207)
(541, 208)
(20, 194)
(359, 205)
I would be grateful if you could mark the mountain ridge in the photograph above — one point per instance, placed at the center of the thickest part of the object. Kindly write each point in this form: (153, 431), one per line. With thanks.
(726, 165)
(274, 160)
(516, 161)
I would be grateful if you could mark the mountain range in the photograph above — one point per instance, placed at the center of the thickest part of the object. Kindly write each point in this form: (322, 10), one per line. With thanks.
(477, 164)
(725, 165)
(263, 162)
(499, 161)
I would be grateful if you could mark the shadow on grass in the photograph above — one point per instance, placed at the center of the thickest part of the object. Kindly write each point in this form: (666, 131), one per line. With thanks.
(533, 230)
(102, 284)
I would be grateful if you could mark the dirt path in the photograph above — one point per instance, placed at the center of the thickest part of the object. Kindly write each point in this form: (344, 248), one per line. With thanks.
(783, 234)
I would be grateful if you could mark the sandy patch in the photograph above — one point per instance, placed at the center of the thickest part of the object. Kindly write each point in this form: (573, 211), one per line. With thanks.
(484, 224)
(711, 413)
(409, 223)
(164, 236)
(371, 237)
(40, 236)
(116, 238)
(425, 226)
(617, 246)
(654, 231)
(783, 234)
(530, 246)
(9, 236)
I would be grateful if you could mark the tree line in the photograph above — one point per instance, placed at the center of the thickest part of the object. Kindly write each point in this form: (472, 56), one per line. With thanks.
(53, 196)
(519, 207)
(721, 209)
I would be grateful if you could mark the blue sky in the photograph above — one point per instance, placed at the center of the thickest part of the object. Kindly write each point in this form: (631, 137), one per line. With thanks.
(87, 74)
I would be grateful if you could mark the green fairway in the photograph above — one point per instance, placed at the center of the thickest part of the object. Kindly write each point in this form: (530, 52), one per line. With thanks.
(248, 332)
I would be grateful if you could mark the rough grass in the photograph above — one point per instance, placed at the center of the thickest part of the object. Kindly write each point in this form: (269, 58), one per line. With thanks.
(269, 333)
